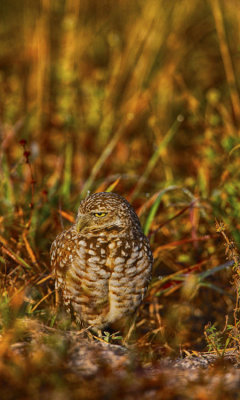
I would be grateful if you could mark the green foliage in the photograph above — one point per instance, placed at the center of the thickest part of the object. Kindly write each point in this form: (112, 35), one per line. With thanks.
(107, 337)
(213, 338)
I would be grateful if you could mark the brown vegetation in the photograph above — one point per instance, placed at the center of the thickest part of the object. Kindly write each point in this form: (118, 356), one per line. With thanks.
(139, 97)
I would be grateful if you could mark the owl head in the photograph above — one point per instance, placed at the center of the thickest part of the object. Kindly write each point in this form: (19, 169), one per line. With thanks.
(105, 211)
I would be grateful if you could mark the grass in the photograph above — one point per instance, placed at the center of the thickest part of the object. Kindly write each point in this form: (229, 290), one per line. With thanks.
(137, 97)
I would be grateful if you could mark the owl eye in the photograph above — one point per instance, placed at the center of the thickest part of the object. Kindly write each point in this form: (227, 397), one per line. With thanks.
(100, 214)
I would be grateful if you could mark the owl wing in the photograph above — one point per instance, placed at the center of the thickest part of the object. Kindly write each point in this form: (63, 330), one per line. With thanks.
(82, 277)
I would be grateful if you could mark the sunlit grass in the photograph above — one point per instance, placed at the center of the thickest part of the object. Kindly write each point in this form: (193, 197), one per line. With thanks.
(140, 98)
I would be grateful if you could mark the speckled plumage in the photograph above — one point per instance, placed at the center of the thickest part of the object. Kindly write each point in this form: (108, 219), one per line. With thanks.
(103, 263)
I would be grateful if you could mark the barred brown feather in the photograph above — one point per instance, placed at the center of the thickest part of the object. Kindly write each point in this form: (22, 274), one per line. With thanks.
(103, 263)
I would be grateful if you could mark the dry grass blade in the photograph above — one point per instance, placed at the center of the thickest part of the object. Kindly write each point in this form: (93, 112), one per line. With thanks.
(157, 154)
(226, 57)
(105, 154)
(177, 275)
(30, 251)
(3, 240)
(234, 149)
(15, 257)
(178, 214)
(147, 204)
(67, 216)
(113, 185)
(177, 243)
(46, 278)
(41, 301)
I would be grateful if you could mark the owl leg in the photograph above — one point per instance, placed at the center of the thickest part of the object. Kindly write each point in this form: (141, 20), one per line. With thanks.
(92, 332)
(95, 333)
(103, 336)
(90, 335)
(57, 297)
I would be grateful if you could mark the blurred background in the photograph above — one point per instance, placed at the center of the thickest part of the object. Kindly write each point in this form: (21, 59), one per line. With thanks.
(139, 95)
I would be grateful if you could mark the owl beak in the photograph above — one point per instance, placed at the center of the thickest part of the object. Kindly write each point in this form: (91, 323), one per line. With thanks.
(81, 222)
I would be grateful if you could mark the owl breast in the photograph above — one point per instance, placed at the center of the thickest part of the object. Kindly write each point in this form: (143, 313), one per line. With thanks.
(128, 283)
(102, 279)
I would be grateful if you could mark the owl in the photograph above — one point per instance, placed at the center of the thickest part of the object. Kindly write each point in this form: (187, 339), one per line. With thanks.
(102, 264)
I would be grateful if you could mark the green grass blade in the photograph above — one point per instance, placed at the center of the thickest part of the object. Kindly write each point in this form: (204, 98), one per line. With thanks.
(67, 178)
(154, 208)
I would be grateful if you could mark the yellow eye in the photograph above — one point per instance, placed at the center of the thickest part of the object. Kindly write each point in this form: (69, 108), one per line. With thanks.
(100, 214)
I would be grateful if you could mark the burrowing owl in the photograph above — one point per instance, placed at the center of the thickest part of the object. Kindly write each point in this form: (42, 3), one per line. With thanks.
(103, 263)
